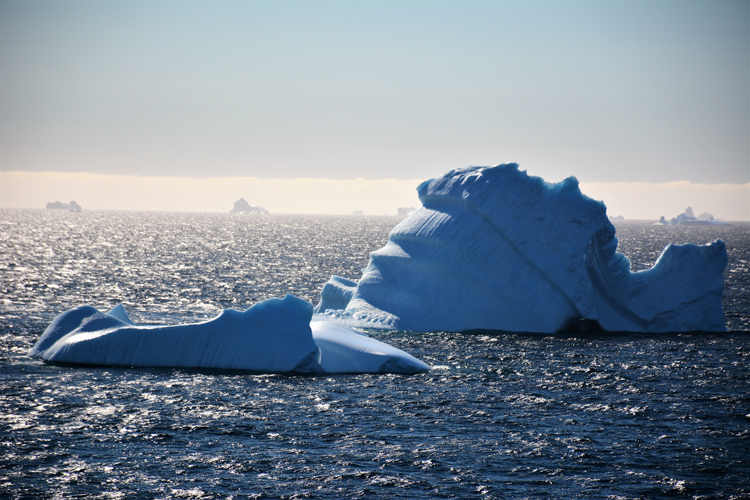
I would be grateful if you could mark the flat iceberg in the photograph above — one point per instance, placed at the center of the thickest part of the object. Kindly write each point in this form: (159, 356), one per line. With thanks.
(272, 336)
(494, 248)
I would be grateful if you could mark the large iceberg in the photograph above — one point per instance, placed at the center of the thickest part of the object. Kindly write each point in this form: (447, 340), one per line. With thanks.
(494, 248)
(275, 335)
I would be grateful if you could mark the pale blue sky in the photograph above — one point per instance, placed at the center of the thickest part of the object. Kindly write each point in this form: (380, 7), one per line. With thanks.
(605, 91)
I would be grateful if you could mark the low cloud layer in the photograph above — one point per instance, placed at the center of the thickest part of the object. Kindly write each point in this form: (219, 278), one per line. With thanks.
(636, 200)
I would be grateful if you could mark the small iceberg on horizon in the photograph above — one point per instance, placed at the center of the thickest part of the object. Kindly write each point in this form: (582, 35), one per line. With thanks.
(241, 206)
(688, 219)
(70, 207)
(273, 336)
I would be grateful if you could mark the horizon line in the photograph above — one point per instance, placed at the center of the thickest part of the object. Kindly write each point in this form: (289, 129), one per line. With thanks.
(636, 200)
(350, 179)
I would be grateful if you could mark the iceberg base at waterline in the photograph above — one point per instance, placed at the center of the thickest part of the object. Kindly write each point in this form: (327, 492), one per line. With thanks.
(273, 336)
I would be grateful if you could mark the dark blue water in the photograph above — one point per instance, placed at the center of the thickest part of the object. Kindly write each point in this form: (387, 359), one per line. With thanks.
(500, 415)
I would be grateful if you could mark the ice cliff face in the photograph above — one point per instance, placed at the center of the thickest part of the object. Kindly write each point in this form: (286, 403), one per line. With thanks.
(494, 248)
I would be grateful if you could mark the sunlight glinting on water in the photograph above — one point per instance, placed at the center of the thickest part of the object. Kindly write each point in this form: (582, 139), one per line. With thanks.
(499, 416)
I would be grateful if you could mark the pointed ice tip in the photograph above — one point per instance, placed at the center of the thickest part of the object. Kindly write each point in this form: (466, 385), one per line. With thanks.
(120, 313)
(570, 183)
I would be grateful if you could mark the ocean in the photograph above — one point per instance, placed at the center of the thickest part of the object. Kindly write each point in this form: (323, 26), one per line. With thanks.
(500, 415)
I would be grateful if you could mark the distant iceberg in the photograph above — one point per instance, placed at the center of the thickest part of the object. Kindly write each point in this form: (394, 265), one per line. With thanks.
(272, 336)
(494, 248)
(241, 206)
(56, 205)
(688, 219)
(404, 211)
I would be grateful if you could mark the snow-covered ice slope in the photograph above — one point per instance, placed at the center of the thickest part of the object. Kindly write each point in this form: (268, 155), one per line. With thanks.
(495, 248)
(272, 336)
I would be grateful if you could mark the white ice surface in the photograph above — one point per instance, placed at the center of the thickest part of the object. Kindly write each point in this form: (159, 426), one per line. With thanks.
(494, 248)
(344, 350)
(272, 336)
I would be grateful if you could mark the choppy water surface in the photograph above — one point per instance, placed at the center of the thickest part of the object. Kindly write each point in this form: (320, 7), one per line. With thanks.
(499, 416)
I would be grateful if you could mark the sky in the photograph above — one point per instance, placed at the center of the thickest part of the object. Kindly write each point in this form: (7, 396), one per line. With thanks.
(331, 107)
